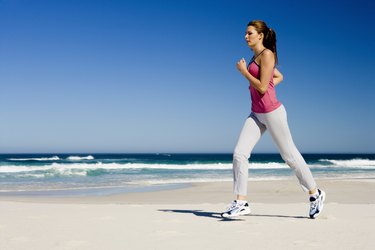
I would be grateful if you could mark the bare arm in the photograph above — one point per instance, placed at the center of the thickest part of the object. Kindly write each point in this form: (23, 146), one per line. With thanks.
(267, 62)
(277, 77)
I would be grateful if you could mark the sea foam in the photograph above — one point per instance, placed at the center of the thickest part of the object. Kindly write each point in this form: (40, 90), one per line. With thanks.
(118, 166)
(79, 158)
(352, 163)
(53, 158)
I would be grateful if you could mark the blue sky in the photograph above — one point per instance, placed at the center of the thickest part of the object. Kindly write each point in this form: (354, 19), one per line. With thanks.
(160, 76)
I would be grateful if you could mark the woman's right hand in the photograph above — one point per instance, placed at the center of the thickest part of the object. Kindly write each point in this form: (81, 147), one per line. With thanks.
(241, 66)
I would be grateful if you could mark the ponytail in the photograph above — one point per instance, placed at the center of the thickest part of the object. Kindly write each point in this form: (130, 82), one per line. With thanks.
(269, 42)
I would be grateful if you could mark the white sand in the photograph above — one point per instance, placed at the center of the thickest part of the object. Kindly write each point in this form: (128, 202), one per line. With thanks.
(189, 219)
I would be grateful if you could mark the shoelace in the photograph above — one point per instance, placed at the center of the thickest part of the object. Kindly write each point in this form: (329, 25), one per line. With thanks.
(314, 204)
(231, 205)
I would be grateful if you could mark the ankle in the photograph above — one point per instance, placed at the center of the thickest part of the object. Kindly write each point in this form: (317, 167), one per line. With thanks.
(241, 202)
(314, 192)
(241, 198)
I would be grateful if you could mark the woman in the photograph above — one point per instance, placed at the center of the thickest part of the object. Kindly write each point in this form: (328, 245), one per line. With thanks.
(267, 114)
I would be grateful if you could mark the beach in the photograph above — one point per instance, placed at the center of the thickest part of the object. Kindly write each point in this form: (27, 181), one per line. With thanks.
(189, 218)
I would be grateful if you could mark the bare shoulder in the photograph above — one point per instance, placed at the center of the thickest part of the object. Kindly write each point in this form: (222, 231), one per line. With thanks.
(267, 57)
(267, 54)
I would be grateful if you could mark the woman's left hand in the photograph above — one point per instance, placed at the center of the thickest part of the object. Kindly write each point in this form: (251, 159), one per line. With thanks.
(241, 65)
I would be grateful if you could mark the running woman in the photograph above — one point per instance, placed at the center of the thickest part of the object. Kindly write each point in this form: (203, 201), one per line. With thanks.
(267, 114)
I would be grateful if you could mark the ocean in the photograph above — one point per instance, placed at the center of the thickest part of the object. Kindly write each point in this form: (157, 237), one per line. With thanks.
(101, 174)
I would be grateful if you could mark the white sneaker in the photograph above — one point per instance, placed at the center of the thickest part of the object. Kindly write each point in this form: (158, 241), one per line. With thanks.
(236, 209)
(316, 204)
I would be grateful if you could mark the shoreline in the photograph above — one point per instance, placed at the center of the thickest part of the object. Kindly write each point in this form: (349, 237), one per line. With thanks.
(263, 191)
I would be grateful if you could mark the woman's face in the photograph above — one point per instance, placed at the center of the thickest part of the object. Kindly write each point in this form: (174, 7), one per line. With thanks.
(252, 37)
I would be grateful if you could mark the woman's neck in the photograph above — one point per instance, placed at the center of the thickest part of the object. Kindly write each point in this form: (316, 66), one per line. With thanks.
(258, 49)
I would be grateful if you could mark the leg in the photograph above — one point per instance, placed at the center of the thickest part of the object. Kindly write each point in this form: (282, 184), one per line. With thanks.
(276, 122)
(250, 135)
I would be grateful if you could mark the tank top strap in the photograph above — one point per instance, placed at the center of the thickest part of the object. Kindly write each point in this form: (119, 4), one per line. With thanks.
(255, 57)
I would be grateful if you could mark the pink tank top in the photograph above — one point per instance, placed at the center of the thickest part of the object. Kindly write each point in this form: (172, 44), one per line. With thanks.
(262, 103)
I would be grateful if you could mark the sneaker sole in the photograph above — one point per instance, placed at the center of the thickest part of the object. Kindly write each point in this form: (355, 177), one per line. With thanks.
(244, 212)
(321, 209)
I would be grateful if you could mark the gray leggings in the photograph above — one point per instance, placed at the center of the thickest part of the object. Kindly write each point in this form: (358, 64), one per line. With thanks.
(276, 123)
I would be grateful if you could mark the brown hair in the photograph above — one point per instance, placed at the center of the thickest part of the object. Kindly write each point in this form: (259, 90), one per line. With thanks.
(269, 40)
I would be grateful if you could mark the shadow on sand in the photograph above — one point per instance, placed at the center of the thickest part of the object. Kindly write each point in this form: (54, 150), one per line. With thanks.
(216, 215)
